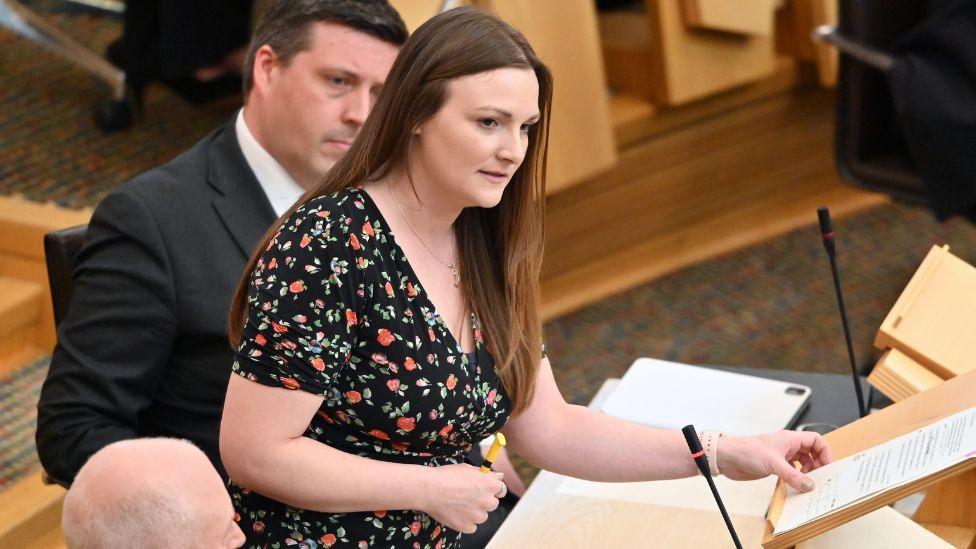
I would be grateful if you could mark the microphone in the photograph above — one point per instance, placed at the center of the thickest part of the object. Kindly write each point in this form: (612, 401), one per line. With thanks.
(691, 437)
(827, 233)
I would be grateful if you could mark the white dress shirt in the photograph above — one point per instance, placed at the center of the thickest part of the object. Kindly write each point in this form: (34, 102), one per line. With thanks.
(280, 188)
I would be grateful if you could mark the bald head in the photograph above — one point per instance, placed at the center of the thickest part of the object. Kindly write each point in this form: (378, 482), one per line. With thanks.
(156, 492)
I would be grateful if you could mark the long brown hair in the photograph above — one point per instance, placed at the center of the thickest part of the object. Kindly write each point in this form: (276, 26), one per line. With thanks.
(501, 247)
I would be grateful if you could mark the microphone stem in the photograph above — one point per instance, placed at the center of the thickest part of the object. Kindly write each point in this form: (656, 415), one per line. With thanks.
(725, 514)
(847, 336)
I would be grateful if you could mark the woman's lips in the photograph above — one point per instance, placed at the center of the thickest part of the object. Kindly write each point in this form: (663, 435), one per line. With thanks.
(494, 177)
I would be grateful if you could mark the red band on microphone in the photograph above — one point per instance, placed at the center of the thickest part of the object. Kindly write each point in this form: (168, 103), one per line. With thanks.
(698, 455)
(828, 235)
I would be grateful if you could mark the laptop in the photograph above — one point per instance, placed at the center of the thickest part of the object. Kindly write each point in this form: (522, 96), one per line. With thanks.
(670, 395)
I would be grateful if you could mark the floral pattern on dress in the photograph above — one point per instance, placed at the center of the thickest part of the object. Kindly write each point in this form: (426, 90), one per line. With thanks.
(336, 310)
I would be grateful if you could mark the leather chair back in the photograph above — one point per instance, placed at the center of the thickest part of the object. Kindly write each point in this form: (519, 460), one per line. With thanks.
(871, 152)
(60, 249)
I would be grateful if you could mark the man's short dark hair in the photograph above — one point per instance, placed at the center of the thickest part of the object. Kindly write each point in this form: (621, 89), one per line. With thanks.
(285, 26)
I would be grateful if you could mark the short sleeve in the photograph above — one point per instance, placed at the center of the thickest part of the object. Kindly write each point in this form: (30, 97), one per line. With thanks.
(303, 313)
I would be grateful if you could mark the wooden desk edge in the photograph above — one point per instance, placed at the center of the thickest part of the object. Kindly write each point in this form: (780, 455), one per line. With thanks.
(953, 396)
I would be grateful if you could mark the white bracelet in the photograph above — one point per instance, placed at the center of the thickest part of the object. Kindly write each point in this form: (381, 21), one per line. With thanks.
(709, 440)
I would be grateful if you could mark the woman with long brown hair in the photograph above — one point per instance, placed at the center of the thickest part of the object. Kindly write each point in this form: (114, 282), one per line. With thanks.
(390, 320)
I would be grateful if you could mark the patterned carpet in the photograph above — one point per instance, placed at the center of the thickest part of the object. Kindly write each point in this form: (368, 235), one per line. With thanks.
(771, 305)
(50, 148)
(18, 420)
(768, 306)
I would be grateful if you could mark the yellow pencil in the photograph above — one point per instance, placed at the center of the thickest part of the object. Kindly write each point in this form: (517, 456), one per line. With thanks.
(496, 447)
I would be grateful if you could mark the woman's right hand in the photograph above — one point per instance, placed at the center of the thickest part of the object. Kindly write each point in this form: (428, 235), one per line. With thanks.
(461, 496)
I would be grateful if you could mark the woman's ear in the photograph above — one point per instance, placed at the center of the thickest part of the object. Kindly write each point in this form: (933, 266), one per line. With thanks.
(419, 128)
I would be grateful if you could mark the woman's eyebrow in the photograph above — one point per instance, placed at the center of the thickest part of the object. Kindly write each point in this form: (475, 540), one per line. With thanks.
(505, 114)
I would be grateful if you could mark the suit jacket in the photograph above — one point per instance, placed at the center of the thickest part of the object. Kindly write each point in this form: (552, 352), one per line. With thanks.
(144, 350)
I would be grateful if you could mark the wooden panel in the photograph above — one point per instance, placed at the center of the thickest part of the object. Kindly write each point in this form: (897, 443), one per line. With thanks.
(741, 17)
(17, 350)
(23, 224)
(898, 377)
(923, 409)
(882, 528)
(947, 398)
(636, 120)
(692, 193)
(564, 35)
(33, 270)
(958, 537)
(29, 508)
(950, 503)
(20, 303)
(627, 53)
(859, 509)
(416, 12)
(629, 115)
(598, 277)
(21, 311)
(52, 539)
(794, 27)
(932, 321)
(824, 12)
(688, 64)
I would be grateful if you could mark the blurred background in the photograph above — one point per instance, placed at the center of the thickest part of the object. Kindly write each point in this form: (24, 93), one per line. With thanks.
(692, 141)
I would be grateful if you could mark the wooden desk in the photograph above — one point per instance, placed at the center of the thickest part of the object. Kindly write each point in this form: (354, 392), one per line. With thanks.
(545, 518)
(947, 509)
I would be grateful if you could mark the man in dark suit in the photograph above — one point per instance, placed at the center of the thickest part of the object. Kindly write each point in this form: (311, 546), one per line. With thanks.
(143, 351)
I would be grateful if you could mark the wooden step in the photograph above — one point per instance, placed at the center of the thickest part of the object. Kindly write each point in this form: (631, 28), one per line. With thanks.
(20, 310)
(636, 119)
(898, 377)
(24, 223)
(20, 303)
(31, 512)
(693, 192)
(50, 539)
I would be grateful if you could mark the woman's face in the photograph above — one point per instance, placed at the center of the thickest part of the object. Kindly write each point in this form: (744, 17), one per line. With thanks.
(468, 151)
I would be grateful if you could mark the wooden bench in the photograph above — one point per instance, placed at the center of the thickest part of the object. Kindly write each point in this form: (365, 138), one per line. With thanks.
(31, 514)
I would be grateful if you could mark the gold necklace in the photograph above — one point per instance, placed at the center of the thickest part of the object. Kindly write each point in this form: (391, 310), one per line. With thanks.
(460, 332)
(454, 271)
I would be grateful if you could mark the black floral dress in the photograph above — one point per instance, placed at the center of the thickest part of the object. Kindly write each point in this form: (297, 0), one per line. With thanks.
(336, 310)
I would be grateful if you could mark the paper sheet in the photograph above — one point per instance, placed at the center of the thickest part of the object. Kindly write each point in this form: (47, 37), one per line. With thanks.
(740, 498)
(894, 463)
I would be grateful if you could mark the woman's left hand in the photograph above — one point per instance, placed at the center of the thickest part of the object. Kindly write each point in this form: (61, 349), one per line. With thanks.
(751, 458)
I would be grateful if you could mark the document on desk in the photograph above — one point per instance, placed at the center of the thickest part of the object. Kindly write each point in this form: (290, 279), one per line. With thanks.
(897, 462)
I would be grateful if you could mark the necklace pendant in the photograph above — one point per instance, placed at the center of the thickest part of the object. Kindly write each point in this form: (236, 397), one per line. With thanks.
(457, 277)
